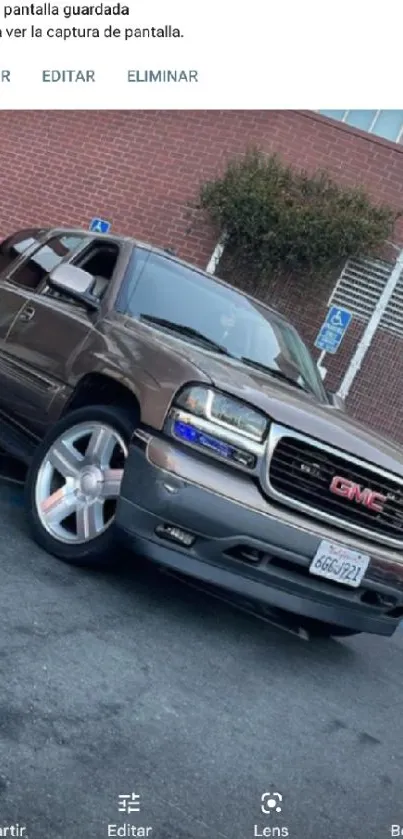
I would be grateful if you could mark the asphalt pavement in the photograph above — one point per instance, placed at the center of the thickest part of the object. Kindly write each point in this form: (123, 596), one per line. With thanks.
(113, 684)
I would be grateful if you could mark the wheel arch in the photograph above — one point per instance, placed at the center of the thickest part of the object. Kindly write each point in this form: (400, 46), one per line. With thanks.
(102, 388)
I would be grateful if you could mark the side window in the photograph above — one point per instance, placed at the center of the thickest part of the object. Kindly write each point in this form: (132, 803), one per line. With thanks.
(99, 259)
(14, 246)
(35, 269)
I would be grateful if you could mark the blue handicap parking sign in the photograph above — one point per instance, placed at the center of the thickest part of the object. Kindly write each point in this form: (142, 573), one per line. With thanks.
(100, 225)
(333, 329)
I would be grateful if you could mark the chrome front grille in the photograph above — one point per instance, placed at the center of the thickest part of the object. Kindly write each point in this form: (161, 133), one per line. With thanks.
(300, 472)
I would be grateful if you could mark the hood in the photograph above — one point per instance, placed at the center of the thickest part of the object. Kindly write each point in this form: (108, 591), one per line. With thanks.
(296, 409)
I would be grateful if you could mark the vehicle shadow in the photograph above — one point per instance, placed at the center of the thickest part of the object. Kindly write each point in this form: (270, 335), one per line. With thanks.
(136, 579)
(182, 601)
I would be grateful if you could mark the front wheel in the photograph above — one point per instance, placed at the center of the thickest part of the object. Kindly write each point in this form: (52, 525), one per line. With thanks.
(74, 481)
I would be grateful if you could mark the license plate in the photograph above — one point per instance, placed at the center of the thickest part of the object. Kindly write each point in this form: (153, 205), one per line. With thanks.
(334, 562)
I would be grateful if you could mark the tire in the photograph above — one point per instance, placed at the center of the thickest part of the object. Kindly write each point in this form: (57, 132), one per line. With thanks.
(73, 484)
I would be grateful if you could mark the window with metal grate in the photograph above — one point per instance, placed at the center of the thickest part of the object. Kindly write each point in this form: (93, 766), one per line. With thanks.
(385, 124)
(359, 288)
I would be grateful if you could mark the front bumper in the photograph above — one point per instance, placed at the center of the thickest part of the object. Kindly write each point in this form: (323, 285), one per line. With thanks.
(242, 543)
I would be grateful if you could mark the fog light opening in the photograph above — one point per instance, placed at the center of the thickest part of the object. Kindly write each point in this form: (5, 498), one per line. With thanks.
(374, 598)
(175, 534)
(246, 553)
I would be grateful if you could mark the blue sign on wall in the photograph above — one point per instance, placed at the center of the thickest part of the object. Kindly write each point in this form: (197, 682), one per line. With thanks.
(333, 329)
(100, 225)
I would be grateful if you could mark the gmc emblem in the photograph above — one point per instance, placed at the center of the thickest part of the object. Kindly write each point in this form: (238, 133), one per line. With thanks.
(374, 501)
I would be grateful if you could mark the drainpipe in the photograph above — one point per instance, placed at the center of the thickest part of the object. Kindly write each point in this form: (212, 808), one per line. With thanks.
(216, 255)
(371, 328)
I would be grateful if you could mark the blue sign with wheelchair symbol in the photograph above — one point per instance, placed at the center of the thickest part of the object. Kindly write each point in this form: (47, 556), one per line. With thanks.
(100, 225)
(333, 329)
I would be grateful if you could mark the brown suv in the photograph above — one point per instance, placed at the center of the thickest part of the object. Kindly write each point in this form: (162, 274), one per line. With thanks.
(154, 401)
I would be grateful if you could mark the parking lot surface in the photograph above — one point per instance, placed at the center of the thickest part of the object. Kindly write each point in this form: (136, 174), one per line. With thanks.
(132, 682)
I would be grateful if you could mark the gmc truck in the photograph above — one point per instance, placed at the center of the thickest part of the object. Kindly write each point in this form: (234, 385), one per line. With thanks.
(154, 403)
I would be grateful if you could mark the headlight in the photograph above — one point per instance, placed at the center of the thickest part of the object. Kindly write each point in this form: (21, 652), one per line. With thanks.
(224, 411)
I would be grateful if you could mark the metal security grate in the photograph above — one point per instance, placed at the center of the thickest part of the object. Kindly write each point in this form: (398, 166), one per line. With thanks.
(359, 288)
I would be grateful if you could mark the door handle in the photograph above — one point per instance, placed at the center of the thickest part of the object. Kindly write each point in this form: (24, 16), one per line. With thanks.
(27, 314)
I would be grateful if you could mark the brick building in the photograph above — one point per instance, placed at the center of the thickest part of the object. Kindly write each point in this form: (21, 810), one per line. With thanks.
(142, 170)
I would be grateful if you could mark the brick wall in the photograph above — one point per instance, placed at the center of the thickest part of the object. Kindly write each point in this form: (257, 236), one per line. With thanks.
(378, 392)
(142, 170)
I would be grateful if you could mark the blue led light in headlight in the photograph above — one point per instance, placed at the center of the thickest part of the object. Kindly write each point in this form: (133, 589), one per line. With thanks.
(185, 431)
(192, 435)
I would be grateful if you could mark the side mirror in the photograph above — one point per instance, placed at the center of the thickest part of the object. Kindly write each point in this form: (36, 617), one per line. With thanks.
(75, 282)
(336, 401)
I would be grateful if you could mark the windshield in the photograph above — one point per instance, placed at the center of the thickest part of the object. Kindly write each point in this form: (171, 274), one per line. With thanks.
(157, 288)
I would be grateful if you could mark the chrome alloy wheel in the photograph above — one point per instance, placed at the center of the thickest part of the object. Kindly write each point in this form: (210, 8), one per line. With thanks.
(78, 482)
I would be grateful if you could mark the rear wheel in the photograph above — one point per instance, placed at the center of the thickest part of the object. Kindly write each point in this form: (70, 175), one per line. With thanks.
(74, 482)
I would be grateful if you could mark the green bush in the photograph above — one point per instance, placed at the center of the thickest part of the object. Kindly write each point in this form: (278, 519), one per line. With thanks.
(277, 219)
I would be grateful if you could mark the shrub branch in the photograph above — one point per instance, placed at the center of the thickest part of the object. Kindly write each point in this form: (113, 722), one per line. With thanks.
(277, 219)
